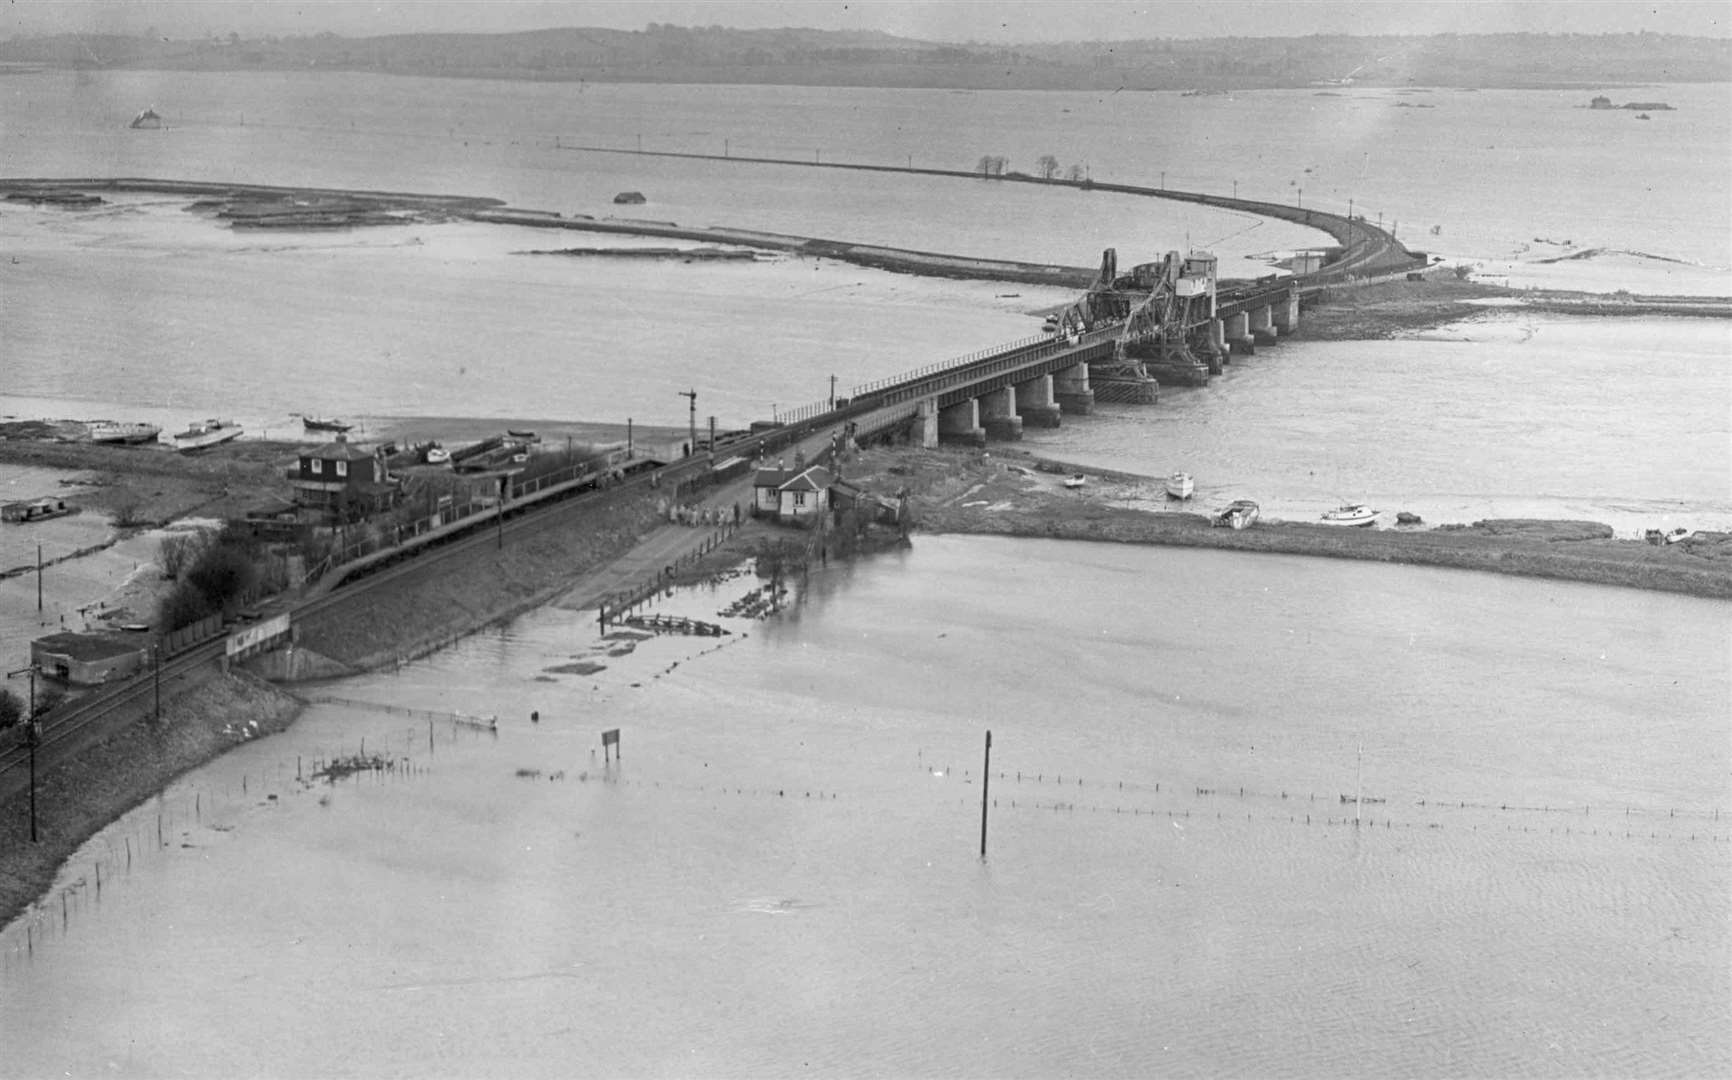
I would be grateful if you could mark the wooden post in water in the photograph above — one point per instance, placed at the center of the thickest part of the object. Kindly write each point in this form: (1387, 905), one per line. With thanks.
(985, 780)
(1359, 784)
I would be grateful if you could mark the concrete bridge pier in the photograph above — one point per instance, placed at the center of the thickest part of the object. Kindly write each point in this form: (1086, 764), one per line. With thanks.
(1286, 314)
(1071, 389)
(960, 423)
(923, 429)
(1035, 404)
(1238, 334)
(998, 414)
(1218, 340)
(1262, 326)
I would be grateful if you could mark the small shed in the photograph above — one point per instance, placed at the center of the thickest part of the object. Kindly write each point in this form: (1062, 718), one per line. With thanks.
(798, 495)
(629, 198)
(26, 510)
(88, 659)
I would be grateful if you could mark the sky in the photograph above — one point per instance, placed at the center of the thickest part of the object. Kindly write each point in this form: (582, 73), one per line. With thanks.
(994, 21)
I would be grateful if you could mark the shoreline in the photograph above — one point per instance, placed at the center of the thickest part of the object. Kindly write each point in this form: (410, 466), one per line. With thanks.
(953, 492)
(970, 493)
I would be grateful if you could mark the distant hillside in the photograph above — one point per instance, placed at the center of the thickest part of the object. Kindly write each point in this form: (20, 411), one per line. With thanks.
(853, 58)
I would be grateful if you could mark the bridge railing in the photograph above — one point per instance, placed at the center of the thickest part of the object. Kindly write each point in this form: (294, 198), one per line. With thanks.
(1011, 354)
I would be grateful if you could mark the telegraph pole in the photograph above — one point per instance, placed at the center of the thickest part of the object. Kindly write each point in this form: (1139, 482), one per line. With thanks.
(692, 396)
(38, 579)
(832, 393)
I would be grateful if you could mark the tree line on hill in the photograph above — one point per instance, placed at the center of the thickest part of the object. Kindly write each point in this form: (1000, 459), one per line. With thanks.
(663, 53)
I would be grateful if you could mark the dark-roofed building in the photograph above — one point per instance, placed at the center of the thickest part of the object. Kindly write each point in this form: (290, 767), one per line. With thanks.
(342, 482)
(88, 659)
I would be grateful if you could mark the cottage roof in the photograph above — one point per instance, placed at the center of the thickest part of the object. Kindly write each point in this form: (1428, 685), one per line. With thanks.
(814, 478)
(339, 451)
(87, 647)
(772, 478)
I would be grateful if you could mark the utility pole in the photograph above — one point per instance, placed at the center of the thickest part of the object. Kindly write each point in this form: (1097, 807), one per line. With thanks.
(832, 393)
(1163, 179)
(985, 778)
(32, 735)
(157, 680)
(628, 438)
(1235, 189)
(692, 397)
(38, 579)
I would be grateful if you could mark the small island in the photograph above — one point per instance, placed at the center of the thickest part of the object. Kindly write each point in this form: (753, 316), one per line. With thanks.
(1604, 104)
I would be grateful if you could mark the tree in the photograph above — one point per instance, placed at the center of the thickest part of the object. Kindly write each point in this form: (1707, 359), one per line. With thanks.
(11, 707)
(1047, 166)
(1075, 173)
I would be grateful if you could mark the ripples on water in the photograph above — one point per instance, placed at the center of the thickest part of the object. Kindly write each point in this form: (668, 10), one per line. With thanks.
(780, 875)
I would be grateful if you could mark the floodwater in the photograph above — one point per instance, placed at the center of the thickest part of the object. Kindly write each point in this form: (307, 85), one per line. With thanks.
(781, 874)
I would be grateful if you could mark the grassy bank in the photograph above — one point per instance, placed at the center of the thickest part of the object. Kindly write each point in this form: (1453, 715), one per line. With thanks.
(78, 799)
(439, 603)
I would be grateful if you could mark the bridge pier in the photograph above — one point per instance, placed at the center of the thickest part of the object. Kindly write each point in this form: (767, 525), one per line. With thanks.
(1238, 334)
(998, 415)
(960, 423)
(1070, 388)
(1035, 404)
(923, 429)
(1218, 341)
(1286, 313)
(1262, 326)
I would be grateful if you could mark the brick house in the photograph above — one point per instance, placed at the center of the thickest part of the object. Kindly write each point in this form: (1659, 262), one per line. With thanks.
(342, 482)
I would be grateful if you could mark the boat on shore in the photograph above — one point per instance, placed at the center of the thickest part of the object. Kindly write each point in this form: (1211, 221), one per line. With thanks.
(1075, 480)
(324, 423)
(1239, 514)
(1354, 514)
(1180, 485)
(114, 431)
(206, 433)
(434, 454)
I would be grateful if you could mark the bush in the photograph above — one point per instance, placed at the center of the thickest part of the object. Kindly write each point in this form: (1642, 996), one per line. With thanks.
(225, 573)
(180, 551)
(11, 708)
(184, 605)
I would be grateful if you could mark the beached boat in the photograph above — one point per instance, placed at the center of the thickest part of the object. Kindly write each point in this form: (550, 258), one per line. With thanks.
(1241, 514)
(1677, 535)
(1351, 514)
(435, 454)
(523, 435)
(1075, 480)
(1180, 485)
(322, 423)
(148, 120)
(205, 433)
(114, 431)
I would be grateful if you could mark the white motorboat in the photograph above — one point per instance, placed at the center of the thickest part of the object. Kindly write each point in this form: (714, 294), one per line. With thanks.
(114, 431)
(1354, 514)
(1241, 514)
(437, 455)
(1180, 485)
(203, 433)
(1075, 480)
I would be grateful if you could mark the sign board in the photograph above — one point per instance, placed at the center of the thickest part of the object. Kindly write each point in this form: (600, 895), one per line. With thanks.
(242, 640)
(609, 742)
